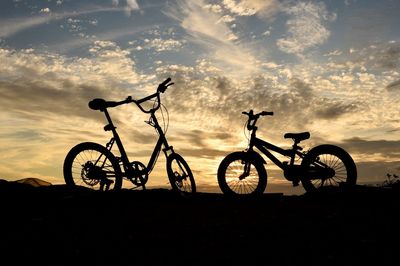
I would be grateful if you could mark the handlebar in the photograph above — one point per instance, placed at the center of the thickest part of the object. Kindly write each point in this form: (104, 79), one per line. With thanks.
(253, 116)
(251, 123)
(164, 85)
(101, 104)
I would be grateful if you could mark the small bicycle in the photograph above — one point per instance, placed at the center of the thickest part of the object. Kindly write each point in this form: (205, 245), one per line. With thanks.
(243, 173)
(93, 165)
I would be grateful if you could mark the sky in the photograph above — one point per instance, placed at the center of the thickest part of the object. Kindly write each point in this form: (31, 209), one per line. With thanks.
(327, 67)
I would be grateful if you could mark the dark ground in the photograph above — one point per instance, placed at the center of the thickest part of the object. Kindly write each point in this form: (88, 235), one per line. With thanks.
(58, 226)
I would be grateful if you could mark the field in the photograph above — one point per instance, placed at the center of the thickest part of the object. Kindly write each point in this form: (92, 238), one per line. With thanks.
(59, 226)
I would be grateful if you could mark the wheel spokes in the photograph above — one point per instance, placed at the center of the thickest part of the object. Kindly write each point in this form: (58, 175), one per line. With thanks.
(93, 169)
(234, 178)
(334, 163)
(181, 177)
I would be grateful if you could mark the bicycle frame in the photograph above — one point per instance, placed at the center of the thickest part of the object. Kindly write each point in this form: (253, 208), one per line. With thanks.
(127, 167)
(319, 169)
(265, 146)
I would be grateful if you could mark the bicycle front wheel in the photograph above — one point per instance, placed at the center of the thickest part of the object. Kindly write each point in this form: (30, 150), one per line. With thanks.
(179, 174)
(91, 165)
(333, 160)
(240, 174)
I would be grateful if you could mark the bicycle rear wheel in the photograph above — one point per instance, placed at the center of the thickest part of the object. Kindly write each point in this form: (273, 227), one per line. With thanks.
(334, 159)
(179, 174)
(91, 165)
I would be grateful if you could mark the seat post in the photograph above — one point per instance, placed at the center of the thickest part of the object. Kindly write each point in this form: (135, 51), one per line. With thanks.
(295, 147)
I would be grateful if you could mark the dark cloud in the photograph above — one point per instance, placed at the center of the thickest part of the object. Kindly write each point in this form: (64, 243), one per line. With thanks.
(389, 56)
(302, 89)
(380, 56)
(219, 97)
(389, 148)
(395, 85)
(36, 99)
(332, 110)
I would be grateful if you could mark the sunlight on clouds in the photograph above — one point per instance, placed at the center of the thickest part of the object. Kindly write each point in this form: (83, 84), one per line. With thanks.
(213, 8)
(200, 23)
(203, 104)
(159, 44)
(48, 93)
(262, 8)
(45, 10)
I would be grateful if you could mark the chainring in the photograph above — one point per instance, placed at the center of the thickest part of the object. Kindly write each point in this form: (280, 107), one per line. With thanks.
(140, 173)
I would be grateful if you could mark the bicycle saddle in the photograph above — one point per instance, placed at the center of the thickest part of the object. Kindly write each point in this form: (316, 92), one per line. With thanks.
(101, 104)
(97, 104)
(297, 136)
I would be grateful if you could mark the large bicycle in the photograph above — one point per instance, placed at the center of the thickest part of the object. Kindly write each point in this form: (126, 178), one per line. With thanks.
(95, 166)
(243, 173)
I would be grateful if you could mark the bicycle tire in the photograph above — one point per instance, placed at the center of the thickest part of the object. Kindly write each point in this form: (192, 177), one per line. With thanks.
(335, 158)
(82, 167)
(179, 174)
(229, 181)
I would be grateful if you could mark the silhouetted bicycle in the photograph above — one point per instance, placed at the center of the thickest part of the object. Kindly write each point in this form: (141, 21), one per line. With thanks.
(243, 173)
(93, 165)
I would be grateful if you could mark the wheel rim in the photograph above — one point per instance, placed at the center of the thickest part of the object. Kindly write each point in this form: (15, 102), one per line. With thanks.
(336, 164)
(84, 175)
(235, 181)
(181, 177)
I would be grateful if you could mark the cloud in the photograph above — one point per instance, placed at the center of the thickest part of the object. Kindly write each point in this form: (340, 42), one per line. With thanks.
(305, 26)
(44, 99)
(160, 44)
(205, 105)
(389, 149)
(45, 10)
(213, 8)
(40, 84)
(333, 110)
(9, 27)
(395, 85)
(213, 35)
(388, 57)
(220, 99)
(261, 8)
(131, 5)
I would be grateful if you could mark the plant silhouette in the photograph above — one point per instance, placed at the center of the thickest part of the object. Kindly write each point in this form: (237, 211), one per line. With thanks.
(95, 166)
(243, 173)
(392, 180)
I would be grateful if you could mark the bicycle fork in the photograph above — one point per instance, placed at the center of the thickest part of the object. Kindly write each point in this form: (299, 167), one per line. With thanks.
(246, 171)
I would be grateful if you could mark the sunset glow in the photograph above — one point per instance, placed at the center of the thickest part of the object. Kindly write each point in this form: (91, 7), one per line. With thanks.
(328, 67)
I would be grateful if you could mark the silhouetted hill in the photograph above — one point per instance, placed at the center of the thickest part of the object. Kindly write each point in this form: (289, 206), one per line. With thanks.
(35, 182)
(57, 225)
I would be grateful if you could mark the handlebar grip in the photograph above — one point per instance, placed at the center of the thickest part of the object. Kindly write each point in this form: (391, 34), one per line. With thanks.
(267, 113)
(165, 82)
(164, 85)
